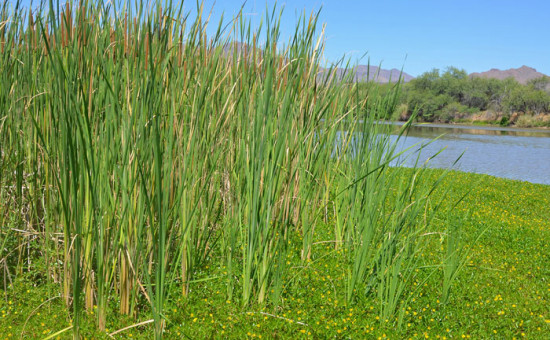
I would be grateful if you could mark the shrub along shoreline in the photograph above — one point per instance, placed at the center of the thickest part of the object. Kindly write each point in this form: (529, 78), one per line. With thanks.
(452, 96)
(515, 120)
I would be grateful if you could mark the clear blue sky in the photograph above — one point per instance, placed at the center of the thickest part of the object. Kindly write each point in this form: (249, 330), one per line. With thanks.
(475, 35)
(419, 35)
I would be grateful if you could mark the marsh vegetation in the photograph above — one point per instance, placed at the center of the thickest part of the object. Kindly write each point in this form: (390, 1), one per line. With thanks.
(142, 162)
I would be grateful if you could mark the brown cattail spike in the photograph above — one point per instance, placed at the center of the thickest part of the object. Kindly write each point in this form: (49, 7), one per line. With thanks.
(146, 49)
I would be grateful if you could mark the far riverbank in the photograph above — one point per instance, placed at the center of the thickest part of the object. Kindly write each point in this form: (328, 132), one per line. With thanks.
(543, 131)
(499, 120)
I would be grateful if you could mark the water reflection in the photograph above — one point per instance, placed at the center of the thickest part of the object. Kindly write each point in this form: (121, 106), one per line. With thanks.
(510, 153)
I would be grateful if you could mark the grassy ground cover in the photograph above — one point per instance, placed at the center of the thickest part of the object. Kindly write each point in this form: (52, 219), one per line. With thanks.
(503, 291)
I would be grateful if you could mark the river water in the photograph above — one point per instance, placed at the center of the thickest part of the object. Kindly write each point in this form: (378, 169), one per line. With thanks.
(521, 154)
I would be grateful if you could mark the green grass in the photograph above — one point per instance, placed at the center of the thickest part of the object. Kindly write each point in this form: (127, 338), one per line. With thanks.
(501, 292)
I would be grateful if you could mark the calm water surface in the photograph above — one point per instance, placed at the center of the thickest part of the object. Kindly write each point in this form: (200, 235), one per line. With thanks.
(503, 152)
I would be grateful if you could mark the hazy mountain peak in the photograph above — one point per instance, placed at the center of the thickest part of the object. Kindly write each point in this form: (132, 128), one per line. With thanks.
(522, 74)
(365, 73)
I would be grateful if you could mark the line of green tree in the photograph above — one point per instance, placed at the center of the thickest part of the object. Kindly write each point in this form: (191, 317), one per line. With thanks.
(454, 96)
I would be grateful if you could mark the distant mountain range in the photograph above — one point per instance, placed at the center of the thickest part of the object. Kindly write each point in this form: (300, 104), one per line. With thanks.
(522, 74)
(363, 73)
(366, 73)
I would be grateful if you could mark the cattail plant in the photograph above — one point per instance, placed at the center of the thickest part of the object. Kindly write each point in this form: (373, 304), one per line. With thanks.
(138, 146)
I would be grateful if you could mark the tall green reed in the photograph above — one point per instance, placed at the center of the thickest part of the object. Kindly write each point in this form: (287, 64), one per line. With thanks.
(382, 217)
(140, 147)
